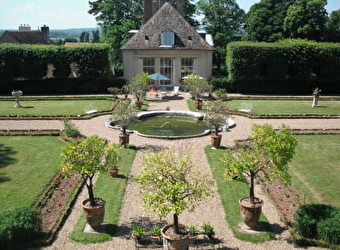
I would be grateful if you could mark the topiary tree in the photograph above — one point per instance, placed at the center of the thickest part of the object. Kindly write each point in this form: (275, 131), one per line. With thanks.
(139, 85)
(197, 85)
(124, 115)
(170, 183)
(216, 115)
(266, 151)
(87, 157)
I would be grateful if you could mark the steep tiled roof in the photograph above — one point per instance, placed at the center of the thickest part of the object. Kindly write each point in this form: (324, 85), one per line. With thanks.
(23, 37)
(167, 18)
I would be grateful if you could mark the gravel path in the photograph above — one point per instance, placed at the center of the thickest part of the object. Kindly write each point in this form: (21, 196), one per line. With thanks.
(210, 210)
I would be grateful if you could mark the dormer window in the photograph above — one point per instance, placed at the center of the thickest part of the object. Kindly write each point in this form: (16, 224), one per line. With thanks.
(168, 38)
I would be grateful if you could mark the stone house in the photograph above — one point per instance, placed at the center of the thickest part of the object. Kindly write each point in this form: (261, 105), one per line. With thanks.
(27, 36)
(169, 45)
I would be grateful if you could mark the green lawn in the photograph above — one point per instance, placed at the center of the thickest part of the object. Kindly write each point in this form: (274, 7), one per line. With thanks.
(262, 107)
(315, 168)
(62, 107)
(27, 164)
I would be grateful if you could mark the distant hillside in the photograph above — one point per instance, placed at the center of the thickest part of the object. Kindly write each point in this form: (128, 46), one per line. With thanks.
(66, 33)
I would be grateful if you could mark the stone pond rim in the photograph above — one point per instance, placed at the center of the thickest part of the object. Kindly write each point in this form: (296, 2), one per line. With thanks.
(190, 114)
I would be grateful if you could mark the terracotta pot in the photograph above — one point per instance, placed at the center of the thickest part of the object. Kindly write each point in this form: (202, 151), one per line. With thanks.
(250, 212)
(94, 215)
(139, 104)
(113, 172)
(216, 140)
(171, 243)
(198, 104)
(124, 139)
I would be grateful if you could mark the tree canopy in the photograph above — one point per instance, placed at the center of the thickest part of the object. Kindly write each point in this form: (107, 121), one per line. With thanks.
(306, 19)
(222, 19)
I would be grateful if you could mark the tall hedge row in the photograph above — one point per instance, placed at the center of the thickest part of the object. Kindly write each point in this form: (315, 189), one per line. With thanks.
(289, 66)
(29, 62)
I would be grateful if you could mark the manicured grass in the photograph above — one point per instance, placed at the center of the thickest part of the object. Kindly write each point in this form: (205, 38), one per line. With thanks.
(62, 107)
(112, 190)
(315, 168)
(27, 164)
(262, 107)
(230, 192)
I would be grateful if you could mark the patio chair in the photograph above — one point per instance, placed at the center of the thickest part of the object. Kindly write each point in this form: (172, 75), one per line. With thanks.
(163, 92)
(175, 92)
(153, 91)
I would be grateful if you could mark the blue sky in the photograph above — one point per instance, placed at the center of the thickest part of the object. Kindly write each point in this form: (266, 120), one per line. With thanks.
(61, 14)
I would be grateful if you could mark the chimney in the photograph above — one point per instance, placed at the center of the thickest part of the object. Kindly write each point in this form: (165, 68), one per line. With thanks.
(152, 6)
(180, 6)
(24, 27)
(45, 31)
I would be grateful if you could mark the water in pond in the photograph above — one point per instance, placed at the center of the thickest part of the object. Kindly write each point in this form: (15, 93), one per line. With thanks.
(170, 126)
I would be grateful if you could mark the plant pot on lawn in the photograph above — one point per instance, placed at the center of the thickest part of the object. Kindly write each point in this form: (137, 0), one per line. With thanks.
(250, 213)
(113, 171)
(94, 215)
(216, 140)
(174, 241)
(124, 139)
(198, 104)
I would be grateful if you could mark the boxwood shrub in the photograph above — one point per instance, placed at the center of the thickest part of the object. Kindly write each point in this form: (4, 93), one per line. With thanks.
(318, 221)
(18, 225)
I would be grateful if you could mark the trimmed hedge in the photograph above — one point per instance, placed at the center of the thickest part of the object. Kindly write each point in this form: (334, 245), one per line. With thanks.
(289, 66)
(29, 64)
(18, 225)
(318, 221)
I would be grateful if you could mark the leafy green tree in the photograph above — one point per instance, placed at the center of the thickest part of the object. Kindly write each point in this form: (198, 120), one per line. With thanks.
(197, 85)
(171, 183)
(70, 40)
(116, 18)
(87, 37)
(222, 19)
(87, 157)
(264, 21)
(268, 151)
(306, 19)
(139, 85)
(95, 36)
(333, 27)
(82, 37)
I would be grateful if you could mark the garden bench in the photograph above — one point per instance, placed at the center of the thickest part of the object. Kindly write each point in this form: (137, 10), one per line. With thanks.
(245, 107)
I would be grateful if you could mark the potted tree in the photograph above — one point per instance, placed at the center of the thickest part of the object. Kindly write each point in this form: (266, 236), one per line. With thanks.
(266, 151)
(87, 157)
(170, 183)
(138, 87)
(124, 115)
(197, 86)
(216, 116)
(113, 160)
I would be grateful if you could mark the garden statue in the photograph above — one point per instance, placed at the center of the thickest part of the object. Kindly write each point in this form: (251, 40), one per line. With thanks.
(316, 95)
(17, 94)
